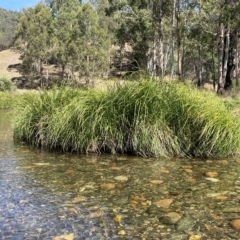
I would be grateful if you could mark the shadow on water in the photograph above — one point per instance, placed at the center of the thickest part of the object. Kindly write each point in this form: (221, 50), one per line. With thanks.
(47, 195)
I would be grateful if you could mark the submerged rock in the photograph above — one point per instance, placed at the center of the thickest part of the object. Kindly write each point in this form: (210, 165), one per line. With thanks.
(195, 237)
(170, 218)
(121, 178)
(185, 224)
(212, 179)
(177, 236)
(165, 203)
(121, 232)
(232, 210)
(235, 224)
(78, 199)
(217, 194)
(107, 186)
(153, 210)
(156, 181)
(65, 237)
(211, 174)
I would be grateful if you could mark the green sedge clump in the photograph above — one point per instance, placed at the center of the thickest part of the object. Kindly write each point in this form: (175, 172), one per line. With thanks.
(146, 118)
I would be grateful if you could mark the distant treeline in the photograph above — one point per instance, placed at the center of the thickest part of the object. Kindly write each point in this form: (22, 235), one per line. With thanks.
(8, 23)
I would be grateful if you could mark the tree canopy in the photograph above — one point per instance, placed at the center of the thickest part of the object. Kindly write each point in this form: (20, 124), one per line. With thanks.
(65, 32)
(187, 39)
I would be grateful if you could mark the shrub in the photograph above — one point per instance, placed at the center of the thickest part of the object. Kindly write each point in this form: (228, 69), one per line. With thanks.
(6, 84)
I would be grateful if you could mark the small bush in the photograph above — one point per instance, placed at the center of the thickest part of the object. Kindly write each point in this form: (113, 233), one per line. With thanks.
(6, 84)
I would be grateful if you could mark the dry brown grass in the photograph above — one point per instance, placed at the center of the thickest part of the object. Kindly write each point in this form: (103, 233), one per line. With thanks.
(9, 57)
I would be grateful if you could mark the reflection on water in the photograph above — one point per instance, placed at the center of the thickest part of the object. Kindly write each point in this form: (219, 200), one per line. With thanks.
(61, 196)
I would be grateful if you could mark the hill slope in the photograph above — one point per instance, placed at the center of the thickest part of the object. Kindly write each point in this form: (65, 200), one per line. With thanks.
(8, 23)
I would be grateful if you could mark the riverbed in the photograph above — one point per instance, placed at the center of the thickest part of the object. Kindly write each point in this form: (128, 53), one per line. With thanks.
(49, 195)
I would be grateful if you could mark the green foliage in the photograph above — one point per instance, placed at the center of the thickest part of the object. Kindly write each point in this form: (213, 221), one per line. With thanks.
(135, 26)
(165, 37)
(7, 100)
(38, 109)
(65, 24)
(33, 37)
(202, 122)
(145, 118)
(6, 84)
(8, 23)
(66, 32)
(94, 43)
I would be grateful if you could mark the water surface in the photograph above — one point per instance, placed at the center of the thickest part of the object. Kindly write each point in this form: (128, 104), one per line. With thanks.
(47, 195)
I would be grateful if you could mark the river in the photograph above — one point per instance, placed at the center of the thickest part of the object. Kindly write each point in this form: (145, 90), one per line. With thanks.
(49, 195)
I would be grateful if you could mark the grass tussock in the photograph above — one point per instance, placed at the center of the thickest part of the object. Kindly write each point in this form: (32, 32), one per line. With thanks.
(6, 84)
(7, 96)
(145, 118)
(7, 100)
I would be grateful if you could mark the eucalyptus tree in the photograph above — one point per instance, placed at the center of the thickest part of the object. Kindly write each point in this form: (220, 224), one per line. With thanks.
(81, 40)
(228, 39)
(64, 27)
(132, 24)
(92, 43)
(56, 5)
(163, 24)
(67, 32)
(107, 24)
(199, 36)
(33, 38)
(213, 31)
(145, 26)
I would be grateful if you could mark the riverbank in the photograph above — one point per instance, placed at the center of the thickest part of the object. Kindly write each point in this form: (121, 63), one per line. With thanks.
(146, 118)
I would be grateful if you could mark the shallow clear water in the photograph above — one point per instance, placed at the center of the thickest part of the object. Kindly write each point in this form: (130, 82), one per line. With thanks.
(45, 195)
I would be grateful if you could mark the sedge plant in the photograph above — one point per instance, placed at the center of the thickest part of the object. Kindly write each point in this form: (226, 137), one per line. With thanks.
(146, 118)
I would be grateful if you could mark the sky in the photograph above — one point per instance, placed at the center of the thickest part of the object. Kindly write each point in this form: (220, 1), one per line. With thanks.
(17, 5)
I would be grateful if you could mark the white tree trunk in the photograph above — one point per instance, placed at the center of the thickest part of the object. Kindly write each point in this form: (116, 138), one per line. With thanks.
(173, 37)
(226, 52)
(237, 63)
(220, 58)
